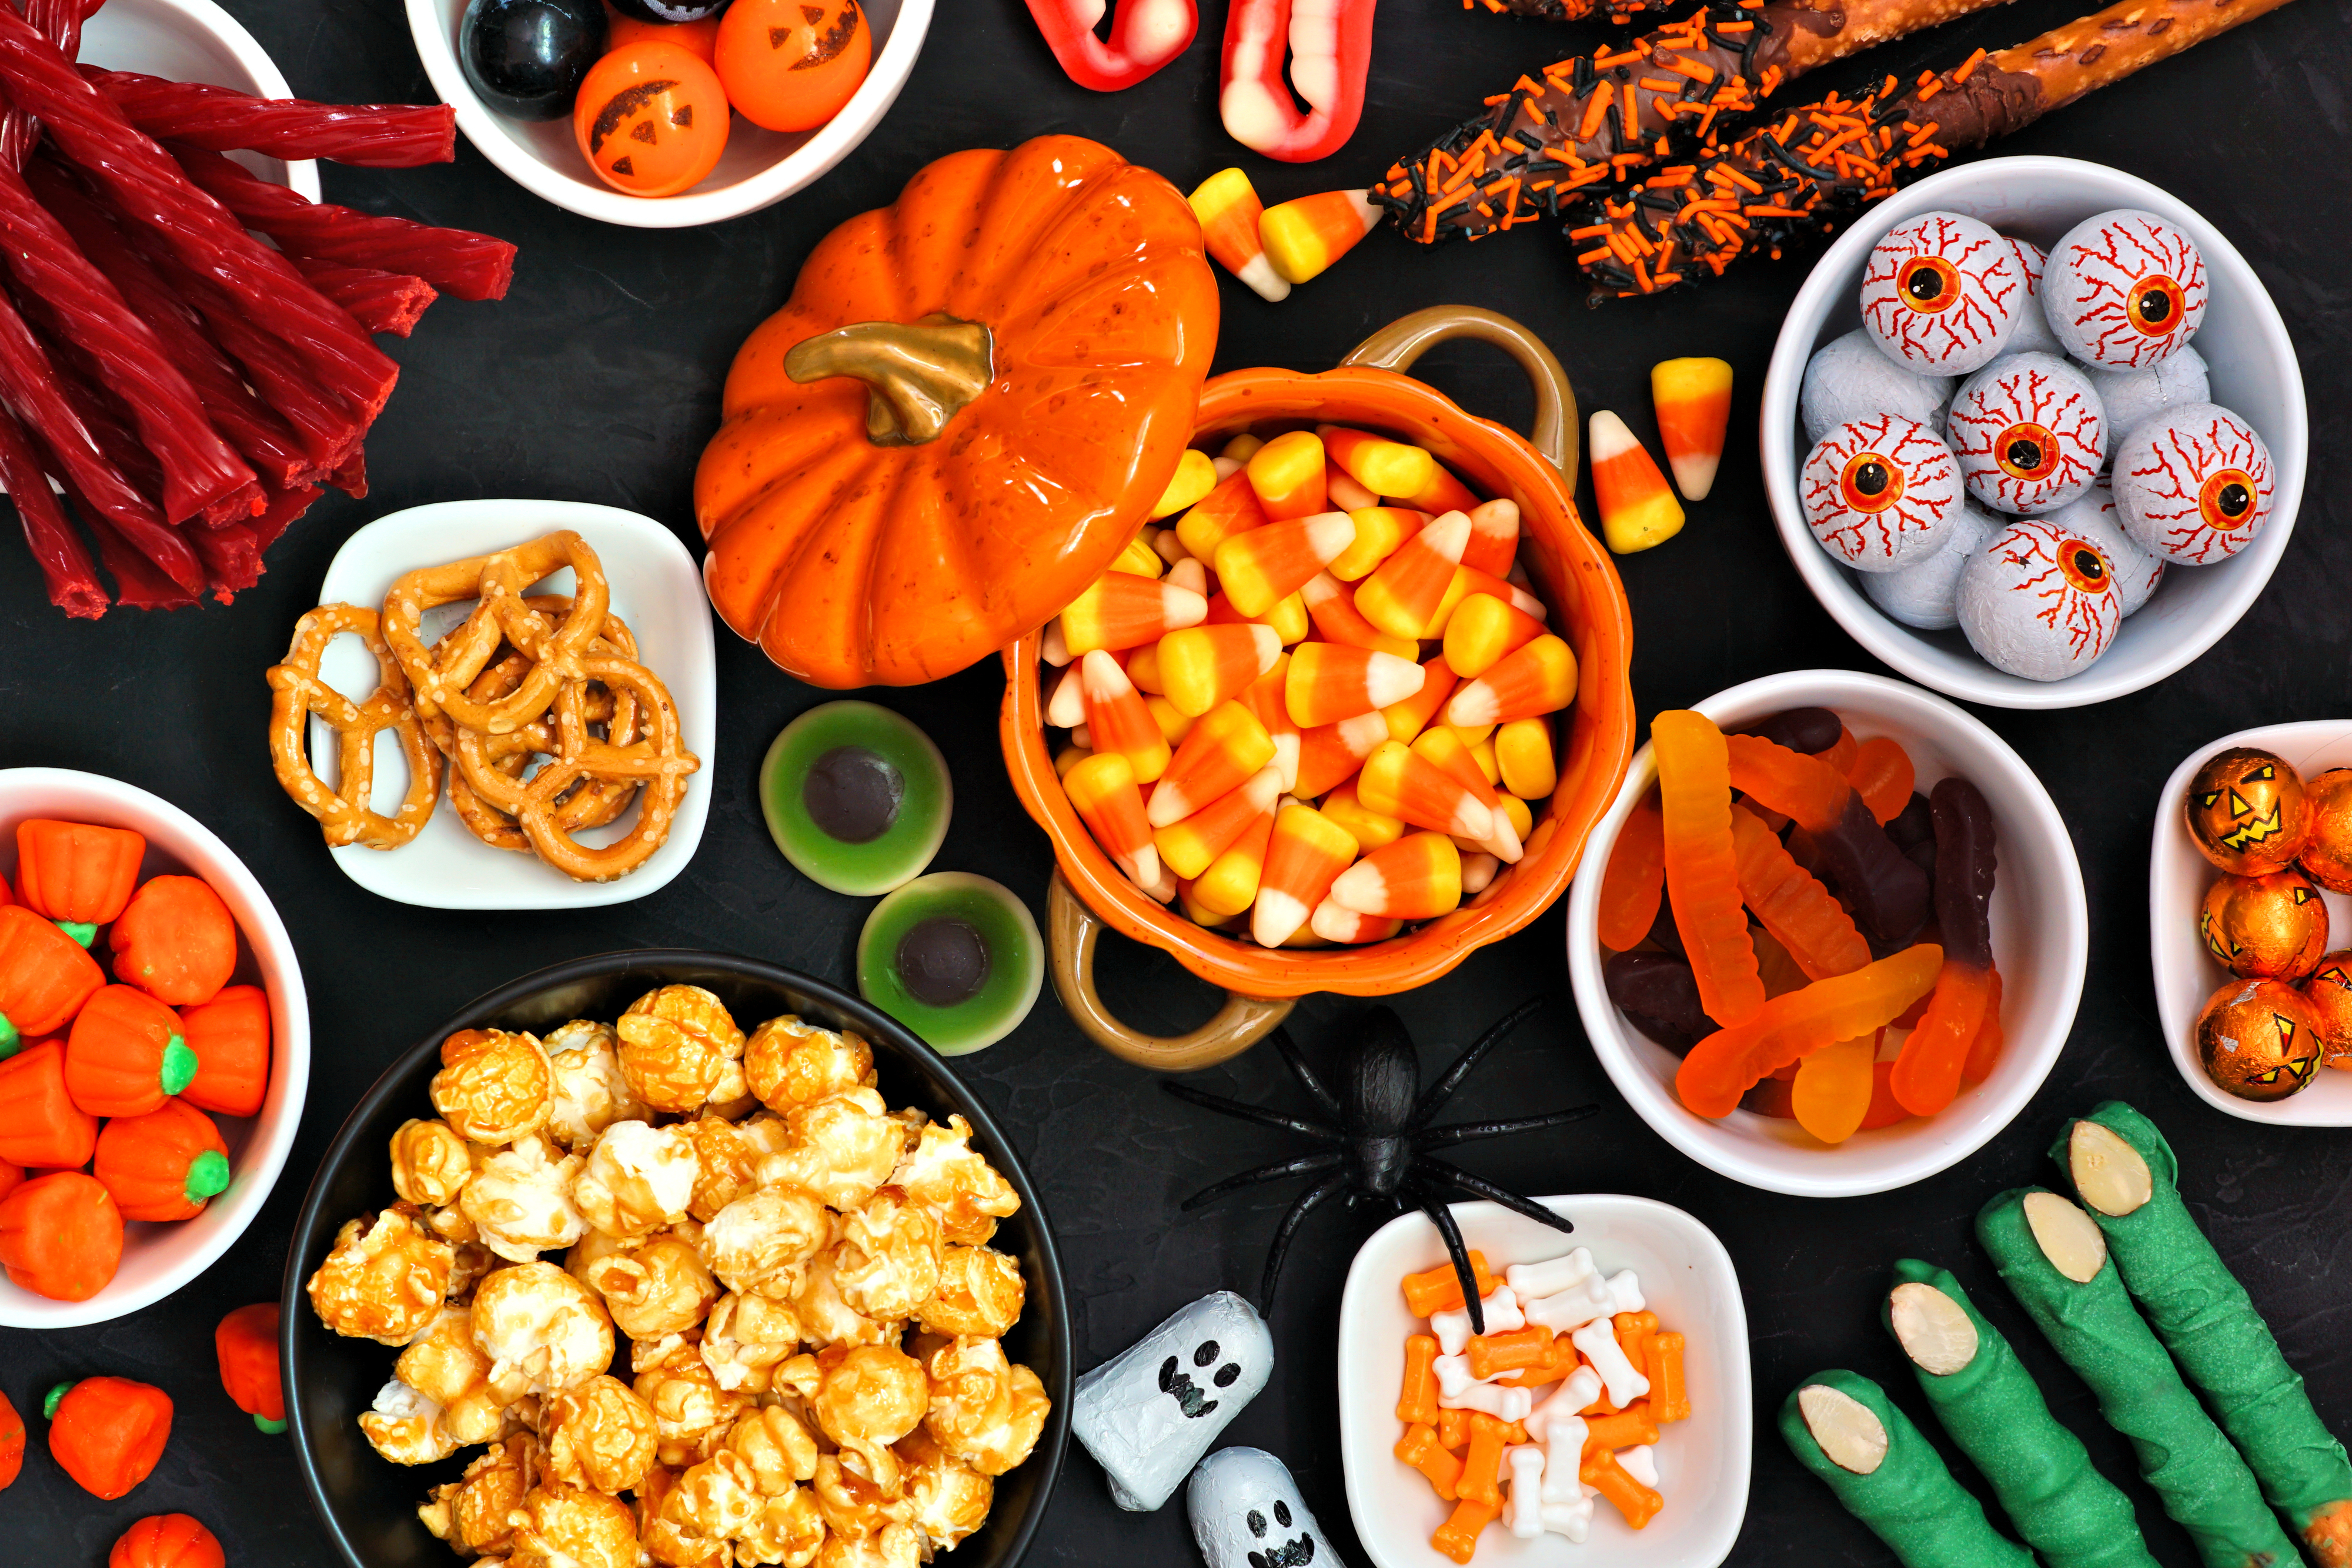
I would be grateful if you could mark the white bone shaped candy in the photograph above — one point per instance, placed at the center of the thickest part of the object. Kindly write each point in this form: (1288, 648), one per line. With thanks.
(1503, 1404)
(1641, 1462)
(1625, 1289)
(1567, 1311)
(1546, 1277)
(1564, 1459)
(1454, 1375)
(1577, 1393)
(1624, 1382)
(1524, 1512)
(1573, 1520)
(1453, 1329)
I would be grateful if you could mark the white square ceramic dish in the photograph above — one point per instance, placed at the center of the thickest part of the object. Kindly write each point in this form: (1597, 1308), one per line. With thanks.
(1686, 1278)
(656, 591)
(2186, 975)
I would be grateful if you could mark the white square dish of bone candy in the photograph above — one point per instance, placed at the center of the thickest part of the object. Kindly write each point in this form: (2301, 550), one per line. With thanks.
(1622, 1247)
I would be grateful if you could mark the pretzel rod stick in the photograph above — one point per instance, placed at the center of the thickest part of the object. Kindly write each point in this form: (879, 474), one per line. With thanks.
(1821, 162)
(1536, 143)
(1569, 10)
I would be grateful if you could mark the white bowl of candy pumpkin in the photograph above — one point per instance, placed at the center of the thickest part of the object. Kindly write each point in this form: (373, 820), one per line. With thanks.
(2038, 473)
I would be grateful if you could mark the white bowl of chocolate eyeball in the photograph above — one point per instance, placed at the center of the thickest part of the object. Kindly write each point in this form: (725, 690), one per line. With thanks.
(2034, 434)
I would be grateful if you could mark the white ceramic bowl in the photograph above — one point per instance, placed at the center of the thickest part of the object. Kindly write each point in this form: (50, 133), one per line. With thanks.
(1686, 1278)
(757, 169)
(656, 589)
(195, 40)
(2186, 975)
(159, 1257)
(2041, 940)
(2253, 372)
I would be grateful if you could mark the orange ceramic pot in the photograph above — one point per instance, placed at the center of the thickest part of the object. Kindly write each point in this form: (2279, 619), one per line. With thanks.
(1571, 572)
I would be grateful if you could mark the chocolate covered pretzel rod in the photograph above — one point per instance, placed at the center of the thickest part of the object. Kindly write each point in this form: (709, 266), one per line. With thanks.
(1570, 10)
(1599, 119)
(1822, 162)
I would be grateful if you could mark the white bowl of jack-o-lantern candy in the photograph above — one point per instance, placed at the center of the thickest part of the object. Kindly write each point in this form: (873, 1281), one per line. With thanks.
(2034, 434)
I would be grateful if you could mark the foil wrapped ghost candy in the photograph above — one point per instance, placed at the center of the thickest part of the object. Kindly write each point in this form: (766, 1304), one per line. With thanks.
(1943, 293)
(1150, 1412)
(1246, 1514)
(1851, 378)
(1880, 492)
(2123, 289)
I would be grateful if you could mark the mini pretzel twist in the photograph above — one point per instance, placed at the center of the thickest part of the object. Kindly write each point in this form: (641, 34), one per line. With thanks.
(345, 814)
(441, 676)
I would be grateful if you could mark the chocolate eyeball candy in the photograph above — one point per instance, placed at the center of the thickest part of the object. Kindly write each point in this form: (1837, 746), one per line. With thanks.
(2248, 810)
(1879, 492)
(2092, 515)
(2194, 484)
(2123, 289)
(2039, 602)
(2260, 1040)
(2032, 335)
(1942, 293)
(2326, 856)
(2131, 398)
(1851, 378)
(2029, 433)
(1926, 594)
(2272, 927)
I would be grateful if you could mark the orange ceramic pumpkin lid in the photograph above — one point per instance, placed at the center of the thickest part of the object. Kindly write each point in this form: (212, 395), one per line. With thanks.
(968, 406)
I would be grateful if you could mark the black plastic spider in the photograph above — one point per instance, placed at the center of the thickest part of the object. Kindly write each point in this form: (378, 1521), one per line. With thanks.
(1382, 1137)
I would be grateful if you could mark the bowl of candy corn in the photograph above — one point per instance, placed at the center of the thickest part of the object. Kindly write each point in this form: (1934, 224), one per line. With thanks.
(1332, 805)
(154, 1048)
(1604, 1406)
(1832, 935)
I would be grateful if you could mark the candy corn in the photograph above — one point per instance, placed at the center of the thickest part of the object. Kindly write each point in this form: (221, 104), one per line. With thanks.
(1188, 573)
(1468, 580)
(1384, 467)
(1479, 870)
(1305, 853)
(1537, 679)
(1229, 210)
(1288, 475)
(1230, 884)
(1168, 546)
(1329, 753)
(1195, 476)
(1241, 448)
(1335, 922)
(1142, 667)
(1444, 749)
(1198, 912)
(1416, 878)
(1231, 509)
(1305, 237)
(1065, 700)
(1340, 491)
(1333, 610)
(1174, 726)
(1102, 787)
(1493, 537)
(1220, 751)
(1118, 720)
(1053, 647)
(1443, 494)
(1069, 757)
(1265, 699)
(1481, 630)
(1367, 827)
(1379, 531)
(1399, 783)
(1330, 681)
(1411, 716)
(1524, 751)
(1402, 597)
(1202, 666)
(1637, 510)
(1193, 843)
(1119, 610)
(1139, 559)
(1694, 403)
(1258, 569)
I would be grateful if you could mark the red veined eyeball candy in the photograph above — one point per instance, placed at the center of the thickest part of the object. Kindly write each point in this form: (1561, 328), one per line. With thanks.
(2040, 602)
(2123, 289)
(1880, 492)
(2029, 433)
(2193, 486)
(1941, 293)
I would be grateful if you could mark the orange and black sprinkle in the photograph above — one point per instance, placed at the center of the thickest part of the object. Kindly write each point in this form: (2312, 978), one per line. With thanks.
(1620, 11)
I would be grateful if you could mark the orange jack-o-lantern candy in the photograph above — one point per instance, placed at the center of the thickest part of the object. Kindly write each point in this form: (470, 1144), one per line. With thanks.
(2249, 811)
(2329, 992)
(789, 65)
(2326, 853)
(652, 118)
(2269, 928)
(2260, 1040)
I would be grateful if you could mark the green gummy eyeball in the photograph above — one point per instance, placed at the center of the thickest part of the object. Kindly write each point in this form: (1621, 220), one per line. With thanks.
(953, 957)
(856, 797)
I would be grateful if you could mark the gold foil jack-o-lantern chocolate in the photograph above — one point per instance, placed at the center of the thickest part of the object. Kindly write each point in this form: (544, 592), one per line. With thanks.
(2327, 855)
(2264, 927)
(2247, 811)
(2260, 1040)
(2329, 992)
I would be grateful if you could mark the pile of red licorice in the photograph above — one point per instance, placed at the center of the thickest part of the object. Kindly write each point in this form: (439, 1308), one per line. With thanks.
(189, 387)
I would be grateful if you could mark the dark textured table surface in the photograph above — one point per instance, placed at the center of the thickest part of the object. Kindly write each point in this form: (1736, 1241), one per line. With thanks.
(597, 380)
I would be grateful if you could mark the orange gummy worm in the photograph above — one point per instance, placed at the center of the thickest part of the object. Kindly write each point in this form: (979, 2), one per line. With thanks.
(1927, 1070)
(1984, 1051)
(1702, 867)
(1792, 904)
(1841, 753)
(1635, 878)
(1882, 773)
(1726, 1063)
(1420, 1449)
(1788, 782)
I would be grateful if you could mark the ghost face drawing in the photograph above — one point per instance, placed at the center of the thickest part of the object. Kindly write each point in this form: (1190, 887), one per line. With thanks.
(1150, 1413)
(1246, 1514)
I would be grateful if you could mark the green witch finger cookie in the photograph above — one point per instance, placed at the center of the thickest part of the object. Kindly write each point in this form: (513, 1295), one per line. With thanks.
(1841, 1427)
(2056, 1262)
(2068, 1512)
(2129, 1178)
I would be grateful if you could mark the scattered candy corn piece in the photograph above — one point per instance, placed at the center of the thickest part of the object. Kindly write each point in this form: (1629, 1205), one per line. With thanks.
(1411, 716)
(1119, 610)
(1168, 546)
(1333, 610)
(1118, 720)
(1483, 629)
(1367, 827)
(1493, 537)
(1228, 208)
(1193, 843)
(1342, 493)
(1522, 750)
(1188, 573)
(1053, 647)
(1479, 870)
(1258, 569)
(1139, 559)
(1102, 787)
(1230, 508)
(1384, 467)
(1329, 753)
(1482, 752)
(1305, 237)
(1399, 783)
(1198, 912)
(1379, 531)
(1288, 475)
(1417, 877)
(1200, 666)
(1264, 698)
(1330, 681)
(1241, 447)
(1305, 853)
(1526, 683)
(1195, 476)
(1069, 757)
(1637, 510)
(1065, 704)
(1334, 922)
(1402, 597)
(1522, 816)
(1221, 751)
(1230, 884)
(1694, 403)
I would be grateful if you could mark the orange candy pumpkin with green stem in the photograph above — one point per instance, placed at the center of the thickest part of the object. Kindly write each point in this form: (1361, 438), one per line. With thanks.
(167, 1541)
(957, 422)
(77, 873)
(12, 1442)
(165, 1165)
(12, 1176)
(108, 1433)
(126, 1054)
(176, 941)
(61, 1237)
(40, 1125)
(45, 977)
(246, 1341)
(230, 1035)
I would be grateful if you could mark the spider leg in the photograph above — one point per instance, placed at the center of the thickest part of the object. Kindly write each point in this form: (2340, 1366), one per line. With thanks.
(1464, 1131)
(1226, 1107)
(1456, 1175)
(1437, 1094)
(1289, 1227)
(1322, 1096)
(1442, 1218)
(1305, 1164)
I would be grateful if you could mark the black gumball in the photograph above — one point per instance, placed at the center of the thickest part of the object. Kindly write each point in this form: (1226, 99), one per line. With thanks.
(667, 10)
(527, 58)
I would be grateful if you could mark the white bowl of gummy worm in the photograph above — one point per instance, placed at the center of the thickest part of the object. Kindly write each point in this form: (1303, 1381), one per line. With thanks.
(2034, 434)
(1831, 938)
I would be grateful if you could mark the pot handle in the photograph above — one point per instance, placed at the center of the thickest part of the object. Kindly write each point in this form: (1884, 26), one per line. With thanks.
(1396, 346)
(1072, 932)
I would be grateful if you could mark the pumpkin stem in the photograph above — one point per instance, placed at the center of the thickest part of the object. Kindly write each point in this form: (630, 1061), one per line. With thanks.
(918, 375)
